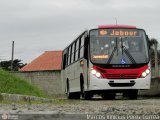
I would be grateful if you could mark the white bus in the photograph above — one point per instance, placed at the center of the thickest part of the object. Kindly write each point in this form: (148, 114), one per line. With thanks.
(107, 60)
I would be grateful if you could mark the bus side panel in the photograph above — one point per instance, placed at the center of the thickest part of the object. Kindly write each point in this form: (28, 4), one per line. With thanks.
(73, 72)
(78, 70)
(69, 74)
(85, 74)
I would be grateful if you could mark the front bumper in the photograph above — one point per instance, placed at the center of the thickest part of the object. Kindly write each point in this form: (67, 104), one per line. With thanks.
(119, 84)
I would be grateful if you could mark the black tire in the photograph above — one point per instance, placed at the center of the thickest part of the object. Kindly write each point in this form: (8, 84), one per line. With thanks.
(76, 95)
(86, 95)
(132, 94)
(126, 94)
(108, 95)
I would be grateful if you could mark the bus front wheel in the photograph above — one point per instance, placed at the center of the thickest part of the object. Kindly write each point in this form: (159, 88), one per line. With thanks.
(86, 95)
(132, 94)
(109, 95)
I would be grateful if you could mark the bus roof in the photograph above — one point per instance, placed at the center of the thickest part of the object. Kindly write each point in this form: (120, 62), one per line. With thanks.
(116, 26)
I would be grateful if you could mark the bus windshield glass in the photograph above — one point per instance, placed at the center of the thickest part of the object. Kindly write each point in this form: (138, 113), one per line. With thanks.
(118, 46)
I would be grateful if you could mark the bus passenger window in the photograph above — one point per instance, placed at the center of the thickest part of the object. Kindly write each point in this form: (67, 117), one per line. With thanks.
(82, 47)
(72, 59)
(69, 55)
(64, 60)
(81, 51)
(77, 50)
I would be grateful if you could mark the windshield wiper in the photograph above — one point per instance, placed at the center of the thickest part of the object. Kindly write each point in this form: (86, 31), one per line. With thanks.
(125, 50)
(115, 48)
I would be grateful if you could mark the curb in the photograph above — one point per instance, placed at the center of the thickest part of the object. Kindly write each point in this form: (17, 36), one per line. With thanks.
(16, 97)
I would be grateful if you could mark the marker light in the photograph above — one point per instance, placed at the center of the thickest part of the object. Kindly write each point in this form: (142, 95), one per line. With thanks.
(145, 73)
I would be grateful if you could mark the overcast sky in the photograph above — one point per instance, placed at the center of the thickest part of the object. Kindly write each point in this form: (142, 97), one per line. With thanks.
(44, 25)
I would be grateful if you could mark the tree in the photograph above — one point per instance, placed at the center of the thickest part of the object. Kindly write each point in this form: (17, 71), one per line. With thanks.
(154, 43)
(17, 64)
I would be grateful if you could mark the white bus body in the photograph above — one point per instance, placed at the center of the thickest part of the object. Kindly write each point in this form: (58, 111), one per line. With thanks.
(83, 75)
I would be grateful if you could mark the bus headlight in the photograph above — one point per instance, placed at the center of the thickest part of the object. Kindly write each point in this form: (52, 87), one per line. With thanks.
(95, 73)
(98, 75)
(145, 73)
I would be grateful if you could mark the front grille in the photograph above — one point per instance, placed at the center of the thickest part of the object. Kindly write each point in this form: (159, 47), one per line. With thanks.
(120, 76)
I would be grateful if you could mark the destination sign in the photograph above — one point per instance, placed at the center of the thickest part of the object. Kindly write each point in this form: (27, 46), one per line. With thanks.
(100, 56)
(118, 32)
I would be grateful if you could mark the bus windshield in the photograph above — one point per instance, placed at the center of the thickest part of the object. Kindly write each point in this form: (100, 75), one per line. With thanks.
(118, 46)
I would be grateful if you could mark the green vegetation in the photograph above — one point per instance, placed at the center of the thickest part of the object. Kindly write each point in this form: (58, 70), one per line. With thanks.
(20, 102)
(55, 102)
(14, 85)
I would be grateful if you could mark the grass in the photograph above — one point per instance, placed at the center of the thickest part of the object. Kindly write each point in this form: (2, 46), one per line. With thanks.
(15, 85)
(19, 102)
(55, 102)
(11, 84)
